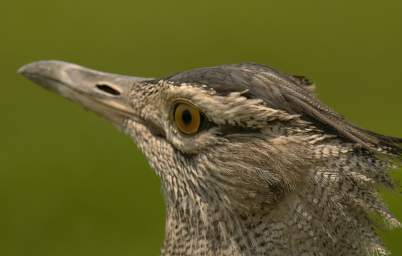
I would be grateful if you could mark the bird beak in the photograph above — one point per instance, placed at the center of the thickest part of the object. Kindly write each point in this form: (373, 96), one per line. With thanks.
(104, 93)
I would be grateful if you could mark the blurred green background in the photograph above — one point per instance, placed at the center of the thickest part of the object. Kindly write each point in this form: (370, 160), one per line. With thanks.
(70, 184)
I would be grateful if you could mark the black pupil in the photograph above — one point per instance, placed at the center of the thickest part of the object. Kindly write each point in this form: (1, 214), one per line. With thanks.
(186, 117)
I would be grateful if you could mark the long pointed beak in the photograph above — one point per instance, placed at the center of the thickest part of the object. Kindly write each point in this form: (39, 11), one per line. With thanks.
(103, 93)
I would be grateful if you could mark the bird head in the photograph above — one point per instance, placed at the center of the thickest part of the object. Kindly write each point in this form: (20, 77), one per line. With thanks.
(204, 139)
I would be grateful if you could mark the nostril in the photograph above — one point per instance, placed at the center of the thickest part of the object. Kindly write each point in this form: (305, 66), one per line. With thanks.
(108, 89)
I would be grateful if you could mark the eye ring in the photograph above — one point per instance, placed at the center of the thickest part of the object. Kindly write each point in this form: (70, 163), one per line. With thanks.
(187, 117)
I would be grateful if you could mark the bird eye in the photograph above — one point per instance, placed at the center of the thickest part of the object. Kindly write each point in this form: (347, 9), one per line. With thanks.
(188, 118)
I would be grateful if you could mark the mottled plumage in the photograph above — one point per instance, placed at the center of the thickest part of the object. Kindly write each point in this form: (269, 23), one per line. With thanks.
(272, 172)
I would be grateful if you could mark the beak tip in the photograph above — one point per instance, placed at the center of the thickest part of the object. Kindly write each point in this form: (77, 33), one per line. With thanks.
(30, 69)
(23, 70)
(43, 73)
(38, 67)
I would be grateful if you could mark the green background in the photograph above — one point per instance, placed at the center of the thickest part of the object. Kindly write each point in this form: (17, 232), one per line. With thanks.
(70, 184)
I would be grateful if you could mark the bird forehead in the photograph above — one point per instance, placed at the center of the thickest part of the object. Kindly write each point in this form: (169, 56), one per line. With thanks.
(254, 81)
(219, 79)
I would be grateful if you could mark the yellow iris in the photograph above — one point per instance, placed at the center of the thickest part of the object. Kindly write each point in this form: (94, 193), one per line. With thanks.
(187, 118)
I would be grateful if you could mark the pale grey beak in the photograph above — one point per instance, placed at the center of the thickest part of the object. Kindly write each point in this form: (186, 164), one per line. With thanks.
(104, 93)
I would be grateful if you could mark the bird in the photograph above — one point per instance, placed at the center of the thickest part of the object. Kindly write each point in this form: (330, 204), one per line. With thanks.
(250, 161)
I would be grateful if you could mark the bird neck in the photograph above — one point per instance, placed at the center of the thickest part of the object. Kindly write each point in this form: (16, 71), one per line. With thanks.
(200, 228)
(195, 226)
(203, 230)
